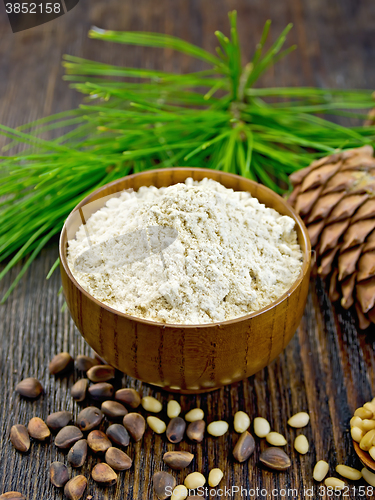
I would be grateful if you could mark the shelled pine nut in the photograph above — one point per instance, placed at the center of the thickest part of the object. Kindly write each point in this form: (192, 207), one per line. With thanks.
(349, 472)
(241, 422)
(320, 470)
(150, 403)
(156, 424)
(261, 427)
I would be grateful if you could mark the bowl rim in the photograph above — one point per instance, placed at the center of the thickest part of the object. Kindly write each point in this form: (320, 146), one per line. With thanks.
(304, 270)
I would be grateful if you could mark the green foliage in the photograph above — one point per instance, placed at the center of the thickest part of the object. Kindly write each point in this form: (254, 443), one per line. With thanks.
(139, 119)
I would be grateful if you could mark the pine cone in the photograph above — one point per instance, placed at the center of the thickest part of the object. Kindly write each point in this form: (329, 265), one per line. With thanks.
(335, 196)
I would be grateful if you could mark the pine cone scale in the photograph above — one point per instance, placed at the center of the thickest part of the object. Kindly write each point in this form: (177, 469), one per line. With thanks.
(335, 196)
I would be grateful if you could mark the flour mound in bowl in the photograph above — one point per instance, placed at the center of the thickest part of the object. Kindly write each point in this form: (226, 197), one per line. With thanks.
(190, 253)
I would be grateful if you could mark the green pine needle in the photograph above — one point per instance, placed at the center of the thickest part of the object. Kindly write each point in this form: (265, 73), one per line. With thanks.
(137, 119)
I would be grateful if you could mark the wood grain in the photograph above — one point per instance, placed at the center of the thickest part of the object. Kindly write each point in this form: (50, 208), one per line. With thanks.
(328, 368)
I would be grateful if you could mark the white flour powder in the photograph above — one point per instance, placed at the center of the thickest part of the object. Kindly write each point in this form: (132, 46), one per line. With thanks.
(190, 253)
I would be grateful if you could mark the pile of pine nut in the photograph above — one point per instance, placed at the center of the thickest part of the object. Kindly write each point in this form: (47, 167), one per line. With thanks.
(123, 404)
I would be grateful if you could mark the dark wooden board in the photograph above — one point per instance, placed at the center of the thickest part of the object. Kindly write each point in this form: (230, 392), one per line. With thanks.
(328, 368)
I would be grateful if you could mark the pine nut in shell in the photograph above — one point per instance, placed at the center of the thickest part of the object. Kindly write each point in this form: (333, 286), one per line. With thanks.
(67, 436)
(79, 390)
(118, 435)
(194, 480)
(58, 474)
(195, 431)
(118, 459)
(113, 409)
(101, 373)
(38, 429)
(178, 460)
(151, 404)
(368, 476)
(129, 397)
(349, 472)
(194, 414)
(299, 420)
(135, 424)
(103, 474)
(176, 430)
(89, 418)
(60, 363)
(244, 447)
(275, 458)
(75, 487)
(215, 476)
(357, 434)
(156, 425)
(261, 427)
(84, 363)
(241, 422)
(20, 438)
(163, 482)
(301, 444)
(173, 408)
(98, 441)
(180, 492)
(276, 439)
(217, 428)
(334, 483)
(12, 495)
(320, 470)
(78, 453)
(58, 420)
(101, 391)
(29, 388)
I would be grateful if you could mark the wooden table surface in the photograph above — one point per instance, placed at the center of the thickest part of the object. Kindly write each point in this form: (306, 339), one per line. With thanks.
(327, 369)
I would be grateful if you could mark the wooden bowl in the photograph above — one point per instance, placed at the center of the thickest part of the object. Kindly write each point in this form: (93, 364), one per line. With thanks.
(185, 358)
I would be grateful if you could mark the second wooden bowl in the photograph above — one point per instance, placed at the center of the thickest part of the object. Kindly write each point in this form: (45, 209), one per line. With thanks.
(185, 358)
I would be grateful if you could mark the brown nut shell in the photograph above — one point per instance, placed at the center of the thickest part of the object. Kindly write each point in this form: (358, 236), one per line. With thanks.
(38, 429)
(195, 431)
(101, 391)
(161, 480)
(29, 388)
(58, 474)
(75, 488)
(129, 397)
(89, 418)
(79, 390)
(84, 363)
(244, 447)
(178, 460)
(60, 363)
(176, 430)
(78, 453)
(275, 458)
(104, 474)
(12, 495)
(135, 424)
(118, 459)
(101, 373)
(58, 420)
(113, 409)
(20, 438)
(118, 435)
(98, 441)
(67, 436)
